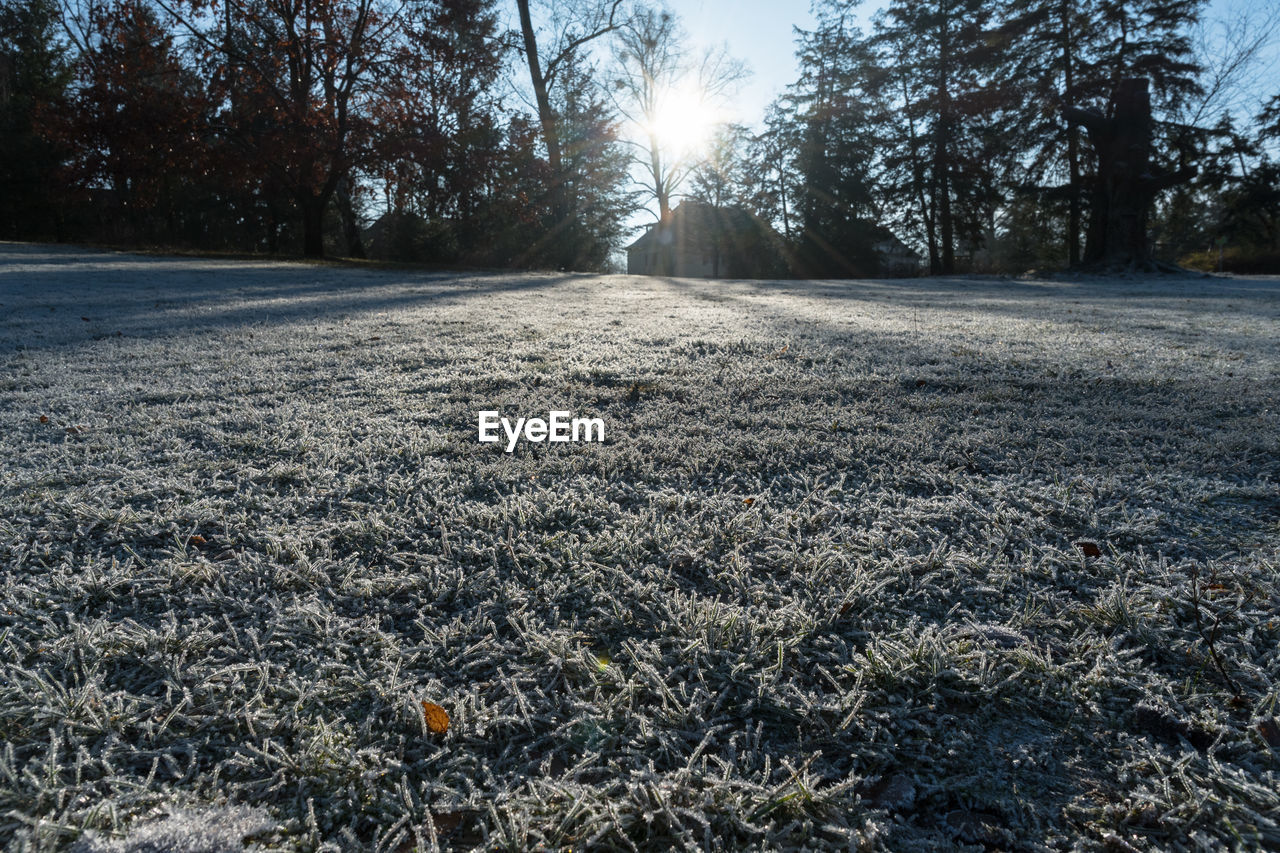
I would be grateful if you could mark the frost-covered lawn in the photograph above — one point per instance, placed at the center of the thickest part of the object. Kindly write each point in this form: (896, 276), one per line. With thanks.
(883, 564)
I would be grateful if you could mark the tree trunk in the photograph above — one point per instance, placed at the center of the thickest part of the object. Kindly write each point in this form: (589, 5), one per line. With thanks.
(1126, 184)
(942, 157)
(1073, 138)
(946, 220)
(312, 208)
(782, 196)
(659, 185)
(1073, 202)
(350, 222)
(546, 115)
(931, 233)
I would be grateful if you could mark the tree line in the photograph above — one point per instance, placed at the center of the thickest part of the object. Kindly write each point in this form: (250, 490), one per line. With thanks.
(976, 131)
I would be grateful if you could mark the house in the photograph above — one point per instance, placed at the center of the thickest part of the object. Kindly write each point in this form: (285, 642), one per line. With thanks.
(896, 258)
(700, 240)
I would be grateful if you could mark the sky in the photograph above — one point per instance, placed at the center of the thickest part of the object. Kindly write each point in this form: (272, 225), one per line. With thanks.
(762, 33)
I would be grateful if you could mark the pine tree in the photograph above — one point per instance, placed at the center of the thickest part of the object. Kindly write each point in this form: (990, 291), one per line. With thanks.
(577, 25)
(596, 167)
(939, 87)
(836, 147)
(34, 74)
(1074, 53)
(772, 178)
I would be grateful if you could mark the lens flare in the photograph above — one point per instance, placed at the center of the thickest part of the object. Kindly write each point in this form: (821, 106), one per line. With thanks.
(683, 122)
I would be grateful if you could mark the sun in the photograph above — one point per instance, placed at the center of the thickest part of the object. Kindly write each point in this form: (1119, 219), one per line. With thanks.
(683, 122)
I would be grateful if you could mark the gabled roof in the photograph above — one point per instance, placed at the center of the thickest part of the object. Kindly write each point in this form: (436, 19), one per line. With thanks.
(883, 235)
(694, 220)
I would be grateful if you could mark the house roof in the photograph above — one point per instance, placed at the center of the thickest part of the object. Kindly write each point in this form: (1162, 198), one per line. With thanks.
(694, 221)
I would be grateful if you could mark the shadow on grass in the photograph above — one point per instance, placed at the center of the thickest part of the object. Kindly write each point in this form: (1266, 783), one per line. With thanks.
(135, 294)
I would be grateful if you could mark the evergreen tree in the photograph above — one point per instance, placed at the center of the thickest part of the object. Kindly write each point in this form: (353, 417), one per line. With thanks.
(574, 221)
(772, 180)
(597, 167)
(939, 90)
(576, 26)
(34, 74)
(1074, 53)
(835, 132)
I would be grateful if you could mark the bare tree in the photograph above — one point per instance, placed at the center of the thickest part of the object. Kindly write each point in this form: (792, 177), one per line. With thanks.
(1232, 49)
(720, 178)
(586, 25)
(653, 60)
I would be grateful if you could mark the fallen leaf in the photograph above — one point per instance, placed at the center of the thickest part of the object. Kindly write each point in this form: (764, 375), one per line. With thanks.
(920, 383)
(1089, 549)
(1270, 731)
(197, 539)
(44, 419)
(846, 607)
(437, 718)
(748, 501)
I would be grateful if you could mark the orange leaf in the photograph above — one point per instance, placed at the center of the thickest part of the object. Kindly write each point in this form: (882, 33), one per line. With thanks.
(44, 419)
(197, 539)
(748, 501)
(437, 718)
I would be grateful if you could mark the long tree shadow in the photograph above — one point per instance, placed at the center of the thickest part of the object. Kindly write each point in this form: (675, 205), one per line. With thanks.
(47, 289)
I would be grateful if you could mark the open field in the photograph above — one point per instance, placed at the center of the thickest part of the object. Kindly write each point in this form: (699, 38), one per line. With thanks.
(882, 565)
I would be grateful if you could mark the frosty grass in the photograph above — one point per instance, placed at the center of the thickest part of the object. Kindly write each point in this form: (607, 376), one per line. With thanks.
(827, 584)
